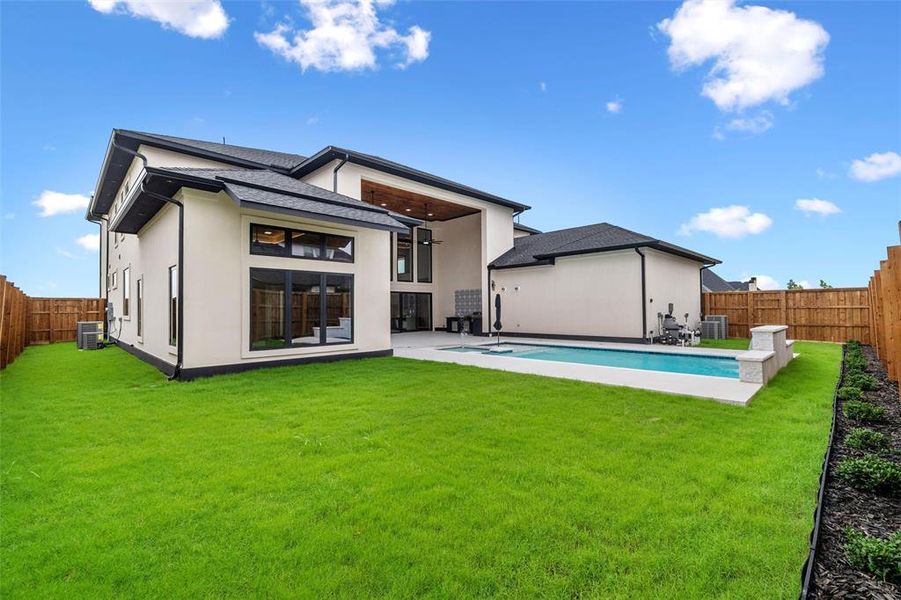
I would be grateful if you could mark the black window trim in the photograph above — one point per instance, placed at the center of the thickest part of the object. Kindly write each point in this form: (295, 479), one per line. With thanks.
(139, 308)
(411, 271)
(126, 293)
(322, 248)
(430, 246)
(173, 324)
(286, 314)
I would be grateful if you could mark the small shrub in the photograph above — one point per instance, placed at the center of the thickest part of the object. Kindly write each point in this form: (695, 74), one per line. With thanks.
(863, 411)
(852, 345)
(861, 380)
(847, 392)
(880, 557)
(872, 474)
(855, 363)
(862, 438)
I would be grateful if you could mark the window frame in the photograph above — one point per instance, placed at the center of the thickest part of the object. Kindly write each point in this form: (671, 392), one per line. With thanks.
(173, 315)
(411, 270)
(289, 236)
(126, 293)
(139, 308)
(430, 246)
(287, 276)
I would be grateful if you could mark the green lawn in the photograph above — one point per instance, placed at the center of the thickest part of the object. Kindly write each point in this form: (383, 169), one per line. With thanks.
(389, 477)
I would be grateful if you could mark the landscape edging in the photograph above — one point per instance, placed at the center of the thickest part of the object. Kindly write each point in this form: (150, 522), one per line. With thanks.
(808, 566)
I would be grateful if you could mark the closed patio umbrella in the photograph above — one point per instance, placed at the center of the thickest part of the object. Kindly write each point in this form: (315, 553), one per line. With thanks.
(497, 316)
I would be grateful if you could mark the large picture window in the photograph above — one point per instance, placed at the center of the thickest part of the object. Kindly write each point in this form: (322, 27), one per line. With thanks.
(299, 308)
(312, 245)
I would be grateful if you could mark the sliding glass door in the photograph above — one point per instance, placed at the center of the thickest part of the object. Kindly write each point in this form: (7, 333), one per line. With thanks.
(411, 311)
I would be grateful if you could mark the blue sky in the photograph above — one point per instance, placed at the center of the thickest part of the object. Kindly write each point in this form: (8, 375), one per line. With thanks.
(507, 97)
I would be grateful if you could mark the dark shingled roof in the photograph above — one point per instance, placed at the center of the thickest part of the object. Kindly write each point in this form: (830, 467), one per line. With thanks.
(283, 192)
(542, 248)
(714, 283)
(266, 158)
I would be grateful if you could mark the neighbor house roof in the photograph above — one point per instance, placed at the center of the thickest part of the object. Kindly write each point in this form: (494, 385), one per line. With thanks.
(263, 190)
(330, 153)
(544, 248)
(525, 228)
(714, 283)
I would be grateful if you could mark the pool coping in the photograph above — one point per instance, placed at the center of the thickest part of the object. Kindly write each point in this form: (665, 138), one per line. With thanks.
(721, 389)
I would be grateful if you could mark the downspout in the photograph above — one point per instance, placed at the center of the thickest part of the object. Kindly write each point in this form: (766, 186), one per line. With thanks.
(180, 319)
(103, 273)
(701, 288)
(335, 172)
(644, 302)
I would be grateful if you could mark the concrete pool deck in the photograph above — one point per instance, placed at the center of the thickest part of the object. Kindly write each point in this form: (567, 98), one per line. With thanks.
(428, 346)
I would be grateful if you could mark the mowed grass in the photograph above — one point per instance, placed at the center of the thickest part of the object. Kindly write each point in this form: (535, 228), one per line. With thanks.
(398, 478)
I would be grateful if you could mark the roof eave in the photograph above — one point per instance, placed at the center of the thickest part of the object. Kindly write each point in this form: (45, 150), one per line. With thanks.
(330, 153)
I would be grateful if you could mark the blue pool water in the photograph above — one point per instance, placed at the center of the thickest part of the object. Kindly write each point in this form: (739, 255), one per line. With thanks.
(715, 366)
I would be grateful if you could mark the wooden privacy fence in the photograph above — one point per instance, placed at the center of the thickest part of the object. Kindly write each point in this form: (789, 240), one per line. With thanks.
(25, 320)
(13, 321)
(885, 318)
(827, 315)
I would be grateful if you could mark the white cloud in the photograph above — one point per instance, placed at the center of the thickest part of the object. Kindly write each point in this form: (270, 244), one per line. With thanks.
(56, 203)
(815, 206)
(730, 222)
(804, 284)
(345, 35)
(754, 124)
(824, 174)
(89, 241)
(542, 86)
(759, 54)
(615, 106)
(765, 282)
(204, 19)
(66, 253)
(876, 166)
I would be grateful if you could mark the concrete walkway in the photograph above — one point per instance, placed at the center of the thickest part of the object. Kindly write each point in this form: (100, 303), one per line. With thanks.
(427, 346)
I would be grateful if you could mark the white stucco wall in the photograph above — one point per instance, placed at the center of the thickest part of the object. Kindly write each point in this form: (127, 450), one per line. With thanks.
(148, 255)
(458, 262)
(217, 275)
(672, 279)
(590, 295)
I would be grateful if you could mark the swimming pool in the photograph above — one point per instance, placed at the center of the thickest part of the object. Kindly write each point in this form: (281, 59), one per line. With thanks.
(692, 364)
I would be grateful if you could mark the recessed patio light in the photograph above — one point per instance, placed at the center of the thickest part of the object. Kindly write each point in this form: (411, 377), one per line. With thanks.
(383, 204)
(430, 214)
(267, 232)
(408, 210)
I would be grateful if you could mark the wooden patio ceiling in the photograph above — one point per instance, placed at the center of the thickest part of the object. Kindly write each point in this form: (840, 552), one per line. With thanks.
(415, 205)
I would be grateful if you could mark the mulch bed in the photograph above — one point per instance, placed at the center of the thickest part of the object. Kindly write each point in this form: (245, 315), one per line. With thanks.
(843, 506)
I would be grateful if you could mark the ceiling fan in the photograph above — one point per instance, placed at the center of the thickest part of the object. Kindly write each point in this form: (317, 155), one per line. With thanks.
(425, 226)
